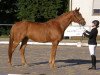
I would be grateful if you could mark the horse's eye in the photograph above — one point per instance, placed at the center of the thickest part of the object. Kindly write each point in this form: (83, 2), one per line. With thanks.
(79, 13)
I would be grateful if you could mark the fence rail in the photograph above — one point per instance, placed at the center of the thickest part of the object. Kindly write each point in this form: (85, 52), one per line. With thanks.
(6, 24)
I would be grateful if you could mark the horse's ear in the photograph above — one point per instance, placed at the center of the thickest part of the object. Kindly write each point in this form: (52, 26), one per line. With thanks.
(78, 9)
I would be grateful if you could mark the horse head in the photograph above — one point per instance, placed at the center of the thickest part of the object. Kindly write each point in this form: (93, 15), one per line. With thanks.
(77, 17)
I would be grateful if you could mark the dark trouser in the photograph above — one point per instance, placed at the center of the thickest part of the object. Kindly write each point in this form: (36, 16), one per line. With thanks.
(93, 60)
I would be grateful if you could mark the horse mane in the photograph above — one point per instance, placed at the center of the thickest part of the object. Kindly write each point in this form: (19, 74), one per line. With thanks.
(59, 17)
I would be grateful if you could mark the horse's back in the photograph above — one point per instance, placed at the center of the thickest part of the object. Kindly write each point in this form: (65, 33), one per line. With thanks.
(22, 26)
(28, 29)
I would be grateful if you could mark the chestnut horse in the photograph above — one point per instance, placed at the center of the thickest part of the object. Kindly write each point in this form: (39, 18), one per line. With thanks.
(50, 31)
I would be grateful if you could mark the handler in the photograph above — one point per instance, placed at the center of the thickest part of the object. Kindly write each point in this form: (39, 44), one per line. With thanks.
(92, 42)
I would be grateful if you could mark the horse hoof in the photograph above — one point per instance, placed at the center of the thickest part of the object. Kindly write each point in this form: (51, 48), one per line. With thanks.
(10, 64)
(25, 65)
(50, 62)
(53, 66)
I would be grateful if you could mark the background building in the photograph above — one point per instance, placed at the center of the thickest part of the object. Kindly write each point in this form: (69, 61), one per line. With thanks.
(90, 10)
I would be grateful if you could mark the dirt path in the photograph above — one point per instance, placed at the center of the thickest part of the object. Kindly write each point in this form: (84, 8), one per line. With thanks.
(70, 60)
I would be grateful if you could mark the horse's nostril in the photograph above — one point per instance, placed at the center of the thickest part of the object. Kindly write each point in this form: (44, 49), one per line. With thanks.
(84, 23)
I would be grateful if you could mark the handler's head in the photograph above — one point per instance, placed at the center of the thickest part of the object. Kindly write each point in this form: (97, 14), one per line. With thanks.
(96, 23)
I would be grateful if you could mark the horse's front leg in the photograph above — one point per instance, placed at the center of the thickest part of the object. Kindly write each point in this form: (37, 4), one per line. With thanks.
(53, 54)
(22, 50)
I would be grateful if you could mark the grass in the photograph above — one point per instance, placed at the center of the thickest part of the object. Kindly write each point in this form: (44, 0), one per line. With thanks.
(4, 36)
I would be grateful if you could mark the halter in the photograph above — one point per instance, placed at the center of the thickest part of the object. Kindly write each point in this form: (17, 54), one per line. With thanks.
(77, 17)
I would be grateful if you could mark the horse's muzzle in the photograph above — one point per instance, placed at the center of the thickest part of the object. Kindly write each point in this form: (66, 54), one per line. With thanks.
(82, 22)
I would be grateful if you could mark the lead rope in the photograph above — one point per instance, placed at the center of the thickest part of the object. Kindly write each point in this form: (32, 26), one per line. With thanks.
(81, 39)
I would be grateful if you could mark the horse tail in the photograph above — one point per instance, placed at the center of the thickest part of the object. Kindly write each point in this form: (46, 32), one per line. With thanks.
(10, 41)
(10, 45)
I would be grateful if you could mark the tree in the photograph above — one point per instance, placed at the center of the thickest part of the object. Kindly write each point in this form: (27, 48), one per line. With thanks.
(33, 10)
(40, 10)
(7, 11)
(7, 15)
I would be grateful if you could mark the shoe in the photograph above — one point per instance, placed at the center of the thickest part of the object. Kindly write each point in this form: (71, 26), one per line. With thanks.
(93, 57)
(92, 68)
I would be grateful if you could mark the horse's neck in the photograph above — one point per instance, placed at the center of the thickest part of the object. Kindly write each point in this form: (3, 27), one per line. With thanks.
(65, 20)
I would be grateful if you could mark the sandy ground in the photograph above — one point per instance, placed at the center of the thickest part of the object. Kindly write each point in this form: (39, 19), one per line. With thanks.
(70, 60)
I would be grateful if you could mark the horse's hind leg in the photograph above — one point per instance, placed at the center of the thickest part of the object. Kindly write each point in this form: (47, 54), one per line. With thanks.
(14, 45)
(22, 50)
